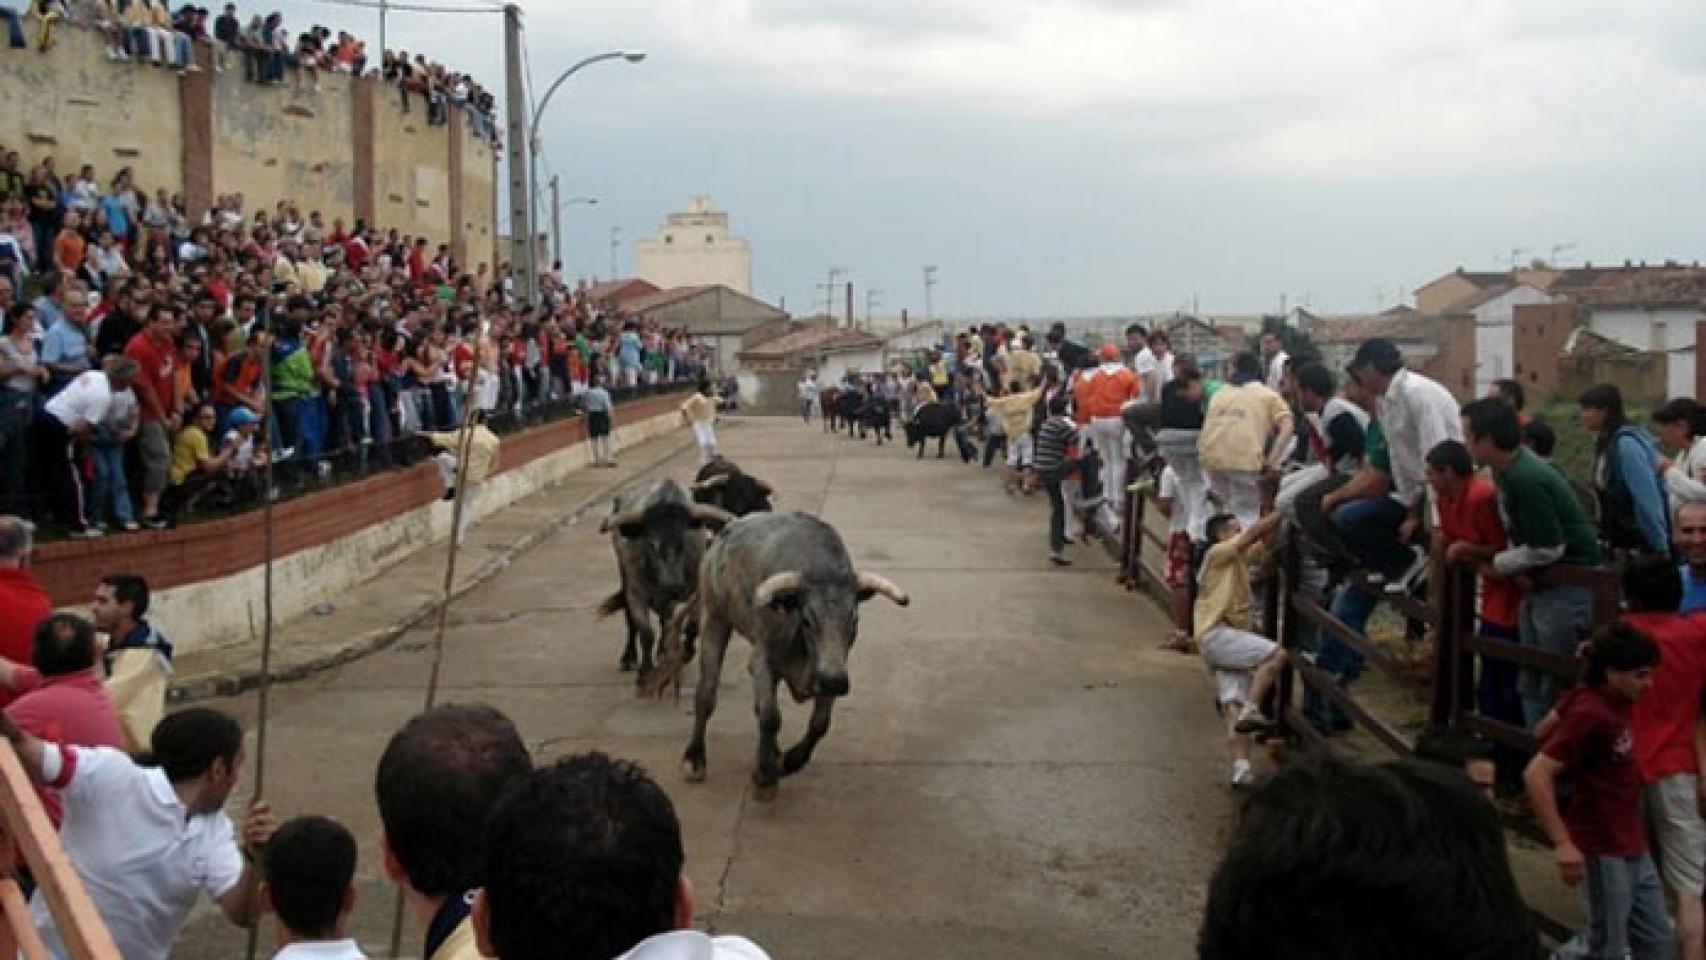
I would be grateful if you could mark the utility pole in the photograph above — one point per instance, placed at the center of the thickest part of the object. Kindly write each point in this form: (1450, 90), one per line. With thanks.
(850, 305)
(829, 287)
(520, 200)
(556, 223)
(929, 286)
(872, 298)
(615, 245)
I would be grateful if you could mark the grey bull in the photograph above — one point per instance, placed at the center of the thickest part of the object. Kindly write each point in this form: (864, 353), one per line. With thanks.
(659, 540)
(785, 582)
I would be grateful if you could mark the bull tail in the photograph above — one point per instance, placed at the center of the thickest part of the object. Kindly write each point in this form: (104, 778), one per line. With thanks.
(672, 651)
(615, 603)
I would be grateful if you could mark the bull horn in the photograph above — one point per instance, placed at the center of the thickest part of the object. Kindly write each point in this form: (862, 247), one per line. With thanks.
(777, 584)
(714, 517)
(871, 583)
(621, 520)
(711, 483)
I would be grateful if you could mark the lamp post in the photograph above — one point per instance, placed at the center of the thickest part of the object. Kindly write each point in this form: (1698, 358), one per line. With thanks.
(532, 274)
(557, 205)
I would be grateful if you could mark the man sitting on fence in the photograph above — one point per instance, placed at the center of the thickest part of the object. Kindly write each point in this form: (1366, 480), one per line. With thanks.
(1665, 722)
(1244, 663)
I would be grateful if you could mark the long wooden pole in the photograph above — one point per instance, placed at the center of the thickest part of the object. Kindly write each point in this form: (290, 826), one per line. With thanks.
(262, 698)
(464, 441)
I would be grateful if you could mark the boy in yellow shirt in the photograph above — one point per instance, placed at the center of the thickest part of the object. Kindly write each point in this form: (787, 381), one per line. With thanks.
(1244, 663)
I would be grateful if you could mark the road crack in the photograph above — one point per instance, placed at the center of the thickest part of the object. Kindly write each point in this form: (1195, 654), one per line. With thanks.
(713, 924)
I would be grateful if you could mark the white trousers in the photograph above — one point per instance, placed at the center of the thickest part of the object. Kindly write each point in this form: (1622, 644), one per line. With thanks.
(446, 463)
(1239, 492)
(706, 435)
(1108, 434)
(1021, 450)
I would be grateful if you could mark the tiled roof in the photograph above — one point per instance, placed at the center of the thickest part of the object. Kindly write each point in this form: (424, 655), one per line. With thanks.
(815, 338)
(664, 298)
(1586, 343)
(1404, 324)
(628, 288)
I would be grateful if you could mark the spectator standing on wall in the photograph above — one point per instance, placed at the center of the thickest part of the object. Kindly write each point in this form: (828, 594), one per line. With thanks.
(1632, 505)
(67, 422)
(155, 353)
(65, 349)
(21, 379)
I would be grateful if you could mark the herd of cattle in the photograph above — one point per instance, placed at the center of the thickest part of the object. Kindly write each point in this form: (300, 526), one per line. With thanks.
(863, 413)
(720, 562)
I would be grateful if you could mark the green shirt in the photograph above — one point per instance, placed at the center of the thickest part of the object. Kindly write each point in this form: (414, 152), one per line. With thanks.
(1541, 511)
(1375, 452)
(293, 377)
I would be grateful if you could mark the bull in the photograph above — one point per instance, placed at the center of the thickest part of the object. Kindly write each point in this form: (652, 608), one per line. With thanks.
(723, 484)
(849, 404)
(656, 531)
(827, 405)
(784, 581)
(874, 419)
(934, 421)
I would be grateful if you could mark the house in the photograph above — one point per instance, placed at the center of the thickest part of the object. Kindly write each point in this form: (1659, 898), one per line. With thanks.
(1205, 344)
(725, 321)
(770, 371)
(1440, 347)
(1656, 311)
(619, 293)
(1589, 358)
(1494, 310)
(1443, 294)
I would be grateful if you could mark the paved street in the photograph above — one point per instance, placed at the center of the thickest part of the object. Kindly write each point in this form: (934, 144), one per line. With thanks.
(1017, 771)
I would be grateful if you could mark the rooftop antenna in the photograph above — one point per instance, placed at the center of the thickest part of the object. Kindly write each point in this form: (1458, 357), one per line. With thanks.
(1556, 249)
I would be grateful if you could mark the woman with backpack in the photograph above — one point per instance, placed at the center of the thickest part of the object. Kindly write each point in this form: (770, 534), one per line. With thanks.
(1632, 508)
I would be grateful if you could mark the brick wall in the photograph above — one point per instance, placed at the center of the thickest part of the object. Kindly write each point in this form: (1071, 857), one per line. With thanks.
(1454, 365)
(68, 570)
(1538, 334)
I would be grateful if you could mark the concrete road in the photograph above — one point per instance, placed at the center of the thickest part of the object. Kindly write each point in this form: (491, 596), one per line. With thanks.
(1018, 771)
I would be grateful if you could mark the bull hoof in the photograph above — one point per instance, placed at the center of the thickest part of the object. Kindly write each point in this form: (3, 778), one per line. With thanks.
(626, 666)
(764, 792)
(692, 772)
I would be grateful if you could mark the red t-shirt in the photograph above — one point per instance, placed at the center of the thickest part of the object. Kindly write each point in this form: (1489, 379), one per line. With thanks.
(1596, 744)
(1474, 518)
(1664, 717)
(154, 386)
(23, 604)
(70, 709)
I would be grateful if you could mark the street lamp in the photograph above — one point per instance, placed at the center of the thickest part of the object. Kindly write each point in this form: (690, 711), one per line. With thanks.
(631, 56)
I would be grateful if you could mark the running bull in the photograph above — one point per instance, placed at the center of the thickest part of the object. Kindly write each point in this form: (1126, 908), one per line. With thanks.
(936, 421)
(723, 484)
(656, 531)
(785, 582)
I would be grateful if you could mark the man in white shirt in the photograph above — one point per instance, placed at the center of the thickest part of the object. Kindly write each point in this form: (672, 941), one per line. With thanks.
(1143, 363)
(1273, 349)
(65, 428)
(309, 866)
(583, 862)
(808, 394)
(147, 841)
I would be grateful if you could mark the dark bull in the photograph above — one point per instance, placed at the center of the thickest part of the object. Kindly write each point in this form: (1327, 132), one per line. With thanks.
(785, 582)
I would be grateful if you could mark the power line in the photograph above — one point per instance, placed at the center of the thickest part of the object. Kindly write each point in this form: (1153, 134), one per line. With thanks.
(411, 7)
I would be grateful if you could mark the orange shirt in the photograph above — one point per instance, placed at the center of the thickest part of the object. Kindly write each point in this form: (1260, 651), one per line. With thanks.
(1103, 391)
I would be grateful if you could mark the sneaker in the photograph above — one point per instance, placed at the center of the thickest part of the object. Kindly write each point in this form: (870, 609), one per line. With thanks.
(130, 526)
(449, 494)
(88, 533)
(1058, 560)
(1242, 774)
(154, 523)
(1406, 580)
(1251, 720)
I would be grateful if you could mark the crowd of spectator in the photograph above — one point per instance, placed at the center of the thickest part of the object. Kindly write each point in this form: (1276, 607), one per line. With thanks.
(150, 31)
(140, 343)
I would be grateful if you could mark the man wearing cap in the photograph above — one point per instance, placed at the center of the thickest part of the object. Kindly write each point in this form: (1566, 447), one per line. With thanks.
(1100, 395)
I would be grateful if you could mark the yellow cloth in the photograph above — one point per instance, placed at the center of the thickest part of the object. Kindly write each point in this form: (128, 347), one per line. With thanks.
(1023, 366)
(1015, 410)
(283, 271)
(482, 449)
(460, 944)
(188, 451)
(312, 276)
(1224, 594)
(699, 408)
(925, 393)
(138, 691)
(1235, 430)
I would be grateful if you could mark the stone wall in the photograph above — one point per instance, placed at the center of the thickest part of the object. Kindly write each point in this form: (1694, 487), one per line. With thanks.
(346, 150)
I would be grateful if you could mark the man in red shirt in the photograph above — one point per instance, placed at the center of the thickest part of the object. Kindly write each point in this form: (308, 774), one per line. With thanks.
(23, 603)
(66, 702)
(1601, 839)
(1472, 532)
(155, 352)
(1667, 750)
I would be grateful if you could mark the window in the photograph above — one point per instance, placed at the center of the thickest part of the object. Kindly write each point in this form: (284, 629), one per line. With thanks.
(708, 238)
(669, 238)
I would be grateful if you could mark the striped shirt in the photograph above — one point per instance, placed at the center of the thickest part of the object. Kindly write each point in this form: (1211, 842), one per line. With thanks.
(1055, 435)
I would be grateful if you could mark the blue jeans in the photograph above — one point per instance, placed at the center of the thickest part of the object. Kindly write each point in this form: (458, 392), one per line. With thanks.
(14, 28)
(1370, 529)
(1625, 908)
(111, 492)
(1554, 619)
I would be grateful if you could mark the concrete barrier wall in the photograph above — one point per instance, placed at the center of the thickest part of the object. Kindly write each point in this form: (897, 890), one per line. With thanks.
(230, 609)
(346, 150)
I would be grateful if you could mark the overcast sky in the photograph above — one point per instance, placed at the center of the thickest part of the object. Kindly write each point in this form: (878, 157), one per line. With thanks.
(1117, 156)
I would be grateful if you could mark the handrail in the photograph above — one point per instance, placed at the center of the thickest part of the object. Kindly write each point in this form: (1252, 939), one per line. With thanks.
(28, 829)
